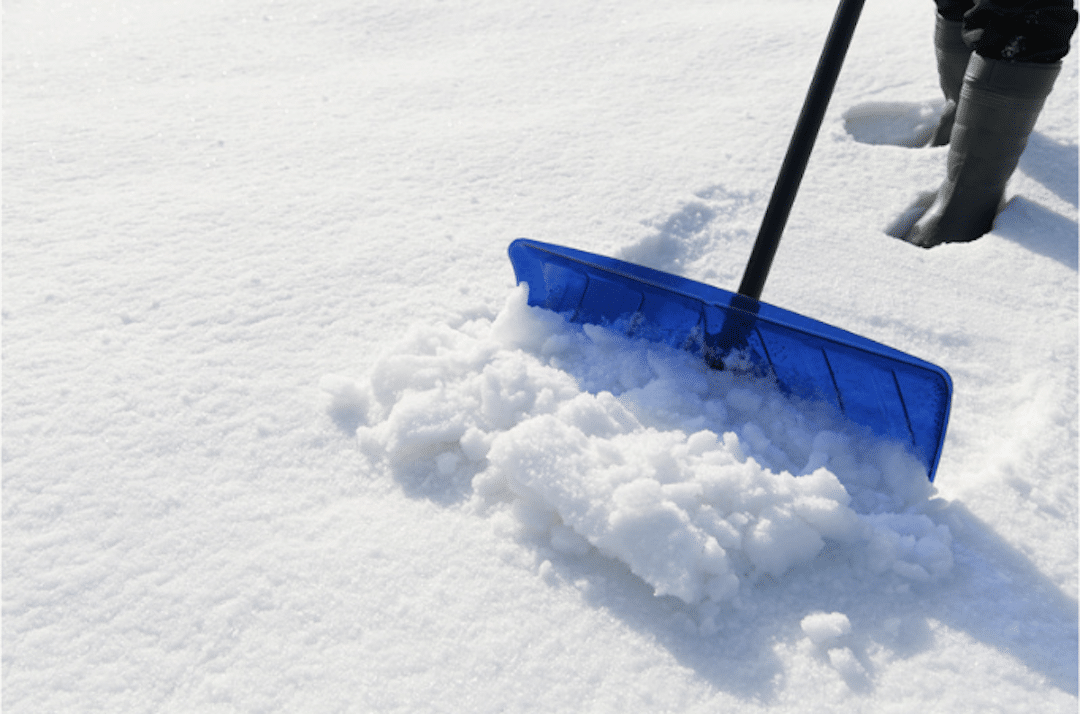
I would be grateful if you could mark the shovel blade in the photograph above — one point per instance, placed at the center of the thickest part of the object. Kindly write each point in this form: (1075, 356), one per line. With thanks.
(894, 394)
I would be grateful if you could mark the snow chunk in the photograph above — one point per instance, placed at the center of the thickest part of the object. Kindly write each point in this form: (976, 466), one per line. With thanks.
(700, 481)
(911, 545)
(825, 627)
(779, 540)
(348, 402)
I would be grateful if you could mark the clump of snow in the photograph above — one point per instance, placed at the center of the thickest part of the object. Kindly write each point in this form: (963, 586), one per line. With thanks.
(825, 627)
(700, 481)
(348, 403)
(826, 632)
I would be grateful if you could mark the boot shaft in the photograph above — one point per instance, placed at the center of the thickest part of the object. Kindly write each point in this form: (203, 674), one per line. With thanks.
(999, 104)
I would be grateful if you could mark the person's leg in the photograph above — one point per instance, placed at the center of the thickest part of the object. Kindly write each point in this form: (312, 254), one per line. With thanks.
(952, 55)
(999, 104)
(1018, 46)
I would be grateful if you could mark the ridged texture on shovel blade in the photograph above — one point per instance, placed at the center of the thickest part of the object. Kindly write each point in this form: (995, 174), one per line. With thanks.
(892, 393)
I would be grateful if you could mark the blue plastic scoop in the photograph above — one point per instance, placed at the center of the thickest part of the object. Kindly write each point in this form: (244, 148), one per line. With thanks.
(894, 394)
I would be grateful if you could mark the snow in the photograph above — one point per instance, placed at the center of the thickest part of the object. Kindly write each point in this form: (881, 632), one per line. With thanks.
(824, 627)
(694, 479)
(281, 434)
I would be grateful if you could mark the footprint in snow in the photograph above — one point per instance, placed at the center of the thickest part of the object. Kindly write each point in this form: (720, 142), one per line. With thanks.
(907, 124)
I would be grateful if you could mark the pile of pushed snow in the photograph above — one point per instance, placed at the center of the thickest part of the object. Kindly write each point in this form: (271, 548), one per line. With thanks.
(698, 480)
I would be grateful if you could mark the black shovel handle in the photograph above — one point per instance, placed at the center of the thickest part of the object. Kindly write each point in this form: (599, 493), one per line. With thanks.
(802, 143)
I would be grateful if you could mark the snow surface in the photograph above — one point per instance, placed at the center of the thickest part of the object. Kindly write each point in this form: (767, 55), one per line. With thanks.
(280, 433)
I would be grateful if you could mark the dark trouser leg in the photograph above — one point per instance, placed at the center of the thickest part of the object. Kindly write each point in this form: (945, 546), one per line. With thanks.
(952, 58)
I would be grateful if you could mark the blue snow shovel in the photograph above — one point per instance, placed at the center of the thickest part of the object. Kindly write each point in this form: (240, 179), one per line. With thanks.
(894, 394)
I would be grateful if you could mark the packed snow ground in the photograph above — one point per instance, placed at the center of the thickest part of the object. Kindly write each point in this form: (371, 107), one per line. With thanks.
(280, 434)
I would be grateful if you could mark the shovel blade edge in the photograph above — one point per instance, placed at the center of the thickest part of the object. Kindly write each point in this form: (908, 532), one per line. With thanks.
(894, 394)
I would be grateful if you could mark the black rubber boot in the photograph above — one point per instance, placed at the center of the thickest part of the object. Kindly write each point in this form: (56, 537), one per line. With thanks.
(952, 59)
(999, 104)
